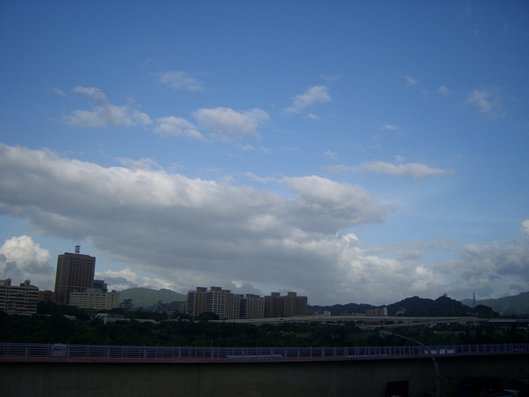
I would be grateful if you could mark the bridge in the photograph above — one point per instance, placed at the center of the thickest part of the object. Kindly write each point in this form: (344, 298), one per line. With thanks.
(85, 370)
(29, 352)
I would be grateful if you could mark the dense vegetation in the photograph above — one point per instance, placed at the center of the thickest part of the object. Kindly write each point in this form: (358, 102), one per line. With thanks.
(56, 328)
(67, 324)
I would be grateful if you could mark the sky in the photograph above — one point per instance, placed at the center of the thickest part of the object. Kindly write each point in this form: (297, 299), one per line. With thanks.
(352, 151)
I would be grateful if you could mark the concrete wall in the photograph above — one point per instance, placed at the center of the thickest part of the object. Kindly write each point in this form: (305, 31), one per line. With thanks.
(353, 378)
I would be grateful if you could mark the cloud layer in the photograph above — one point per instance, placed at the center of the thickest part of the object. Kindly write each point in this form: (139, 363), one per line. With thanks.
(172, 231)
(191, 231)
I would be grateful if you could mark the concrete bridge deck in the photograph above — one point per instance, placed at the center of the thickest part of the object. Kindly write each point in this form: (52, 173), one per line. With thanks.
(372, 378)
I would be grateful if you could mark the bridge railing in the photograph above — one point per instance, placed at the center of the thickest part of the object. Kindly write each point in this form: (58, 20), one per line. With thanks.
(58, 352)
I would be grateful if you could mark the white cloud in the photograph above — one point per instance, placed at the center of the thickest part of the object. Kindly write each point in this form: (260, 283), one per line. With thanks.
(179, 80)
(23, 259)
(312, 116)
(410, 80)
(525, 227)
(484, 101)
(389, 127)
(176, 232)
(93, 93)
(142, 164)
(311, 96)
(128, 278)
(414, 170)
(199, 232)
(444, 90)
(229, 123)
(330, 154)
(104, 113)
(177, 126)
(496, 266)
(399, 158)
(260, 179)
(330, 206)
(59, 92)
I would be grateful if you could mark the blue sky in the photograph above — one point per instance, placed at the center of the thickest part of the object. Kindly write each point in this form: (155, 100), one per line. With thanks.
(350, 151)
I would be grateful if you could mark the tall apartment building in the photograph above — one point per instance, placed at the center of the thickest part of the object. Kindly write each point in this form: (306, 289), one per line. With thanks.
(216, 301)
(228, 305)
(285, 306)
(75, 272)
(273, 305)
(222, 302)
(289, 304)
(252, 306)
(302, 305)
(196, 301)
(233, 306)
(18, 300)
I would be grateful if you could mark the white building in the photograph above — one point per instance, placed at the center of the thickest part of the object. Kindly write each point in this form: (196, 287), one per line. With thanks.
(94, 298)
(18, 300)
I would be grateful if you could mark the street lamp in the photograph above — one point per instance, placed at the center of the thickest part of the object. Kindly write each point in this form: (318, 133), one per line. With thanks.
(384, 332)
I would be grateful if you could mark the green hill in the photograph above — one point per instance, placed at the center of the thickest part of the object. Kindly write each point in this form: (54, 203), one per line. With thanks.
(515, 304)
(146, 297)
(415, 306)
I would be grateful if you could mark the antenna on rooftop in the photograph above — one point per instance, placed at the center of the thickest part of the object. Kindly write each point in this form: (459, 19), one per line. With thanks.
(77, 249)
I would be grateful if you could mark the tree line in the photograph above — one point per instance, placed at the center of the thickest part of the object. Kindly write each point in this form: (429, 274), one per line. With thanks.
(58, 328)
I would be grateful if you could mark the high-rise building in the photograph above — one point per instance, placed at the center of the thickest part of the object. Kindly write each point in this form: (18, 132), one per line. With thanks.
(302, 305)
(233, 306)
(217, 300)
(229, 306)
(285, 306)
(289, 304)
(196, 301)
(100, 285)
(252, 306)
(75, 272)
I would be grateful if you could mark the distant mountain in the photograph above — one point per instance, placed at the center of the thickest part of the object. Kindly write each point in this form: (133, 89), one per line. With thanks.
(146, 297)
(342, 310)
(415, 306)
(508, 305)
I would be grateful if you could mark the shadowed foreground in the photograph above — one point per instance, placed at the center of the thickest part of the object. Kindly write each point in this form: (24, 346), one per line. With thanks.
(340, 378)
